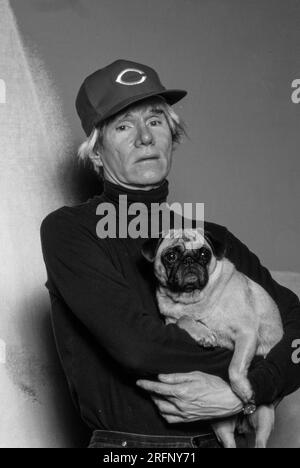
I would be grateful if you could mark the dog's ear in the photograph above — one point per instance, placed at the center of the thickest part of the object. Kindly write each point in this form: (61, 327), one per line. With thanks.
(218, 246)
(150, 248)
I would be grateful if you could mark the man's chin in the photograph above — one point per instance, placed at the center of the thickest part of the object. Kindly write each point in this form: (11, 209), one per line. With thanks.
(149, 179)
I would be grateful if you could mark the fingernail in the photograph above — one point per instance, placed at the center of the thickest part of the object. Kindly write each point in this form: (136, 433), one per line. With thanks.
(163, 376)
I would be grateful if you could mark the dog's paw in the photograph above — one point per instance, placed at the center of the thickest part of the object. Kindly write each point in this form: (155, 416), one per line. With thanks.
(199, 332)
(209, 340)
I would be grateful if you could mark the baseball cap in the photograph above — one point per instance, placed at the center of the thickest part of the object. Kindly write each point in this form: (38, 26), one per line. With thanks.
(113, 88)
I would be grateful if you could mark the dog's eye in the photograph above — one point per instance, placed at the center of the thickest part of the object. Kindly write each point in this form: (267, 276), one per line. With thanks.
(171, 257)
(205, 255)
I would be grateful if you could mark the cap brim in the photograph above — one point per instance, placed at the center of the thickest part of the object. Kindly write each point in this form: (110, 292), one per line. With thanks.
(171, 96)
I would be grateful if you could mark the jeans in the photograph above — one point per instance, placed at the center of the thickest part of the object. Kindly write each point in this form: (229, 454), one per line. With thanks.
(105, 439)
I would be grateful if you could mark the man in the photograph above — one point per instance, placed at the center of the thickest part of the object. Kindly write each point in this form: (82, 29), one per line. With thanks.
(111, 339)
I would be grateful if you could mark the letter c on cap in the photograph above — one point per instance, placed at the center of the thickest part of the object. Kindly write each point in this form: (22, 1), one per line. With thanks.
(131, 83)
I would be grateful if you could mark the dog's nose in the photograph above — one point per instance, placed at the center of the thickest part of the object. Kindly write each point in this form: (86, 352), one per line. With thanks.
(188, 260)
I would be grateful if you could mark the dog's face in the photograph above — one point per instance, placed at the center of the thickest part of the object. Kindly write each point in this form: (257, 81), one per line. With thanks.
(183, 260)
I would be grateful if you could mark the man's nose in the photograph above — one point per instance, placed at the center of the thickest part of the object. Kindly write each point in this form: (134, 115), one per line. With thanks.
(144, 136)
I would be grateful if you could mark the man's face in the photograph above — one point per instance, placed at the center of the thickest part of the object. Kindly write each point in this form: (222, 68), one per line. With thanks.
(137, 147)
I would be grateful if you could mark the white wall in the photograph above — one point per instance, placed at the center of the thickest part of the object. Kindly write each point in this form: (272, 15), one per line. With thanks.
(35, 407)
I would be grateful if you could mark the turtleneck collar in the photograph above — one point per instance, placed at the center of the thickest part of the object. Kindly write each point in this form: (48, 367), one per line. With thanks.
(111, 193)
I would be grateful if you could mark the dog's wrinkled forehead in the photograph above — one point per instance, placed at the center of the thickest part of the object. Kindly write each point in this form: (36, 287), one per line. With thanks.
(191, 239)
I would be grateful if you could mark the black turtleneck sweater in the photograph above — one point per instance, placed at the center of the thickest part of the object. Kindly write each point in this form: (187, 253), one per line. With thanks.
(109, 331)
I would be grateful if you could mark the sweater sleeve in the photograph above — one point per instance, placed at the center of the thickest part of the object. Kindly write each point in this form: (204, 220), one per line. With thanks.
(277, 375)
(82, 274)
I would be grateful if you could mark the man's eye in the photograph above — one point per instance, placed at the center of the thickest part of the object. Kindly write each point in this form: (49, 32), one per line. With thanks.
(122, 128)
(155, 123)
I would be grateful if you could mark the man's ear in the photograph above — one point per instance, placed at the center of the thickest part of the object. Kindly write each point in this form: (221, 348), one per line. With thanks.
(150, 248)
(218, 247)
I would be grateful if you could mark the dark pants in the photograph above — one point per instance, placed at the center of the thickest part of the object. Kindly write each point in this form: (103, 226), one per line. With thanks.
(105, 439)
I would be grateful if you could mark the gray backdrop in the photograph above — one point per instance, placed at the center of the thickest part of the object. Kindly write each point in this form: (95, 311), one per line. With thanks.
(237, 59)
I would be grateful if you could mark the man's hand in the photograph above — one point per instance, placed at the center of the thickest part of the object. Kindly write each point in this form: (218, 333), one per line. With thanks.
(192, 397)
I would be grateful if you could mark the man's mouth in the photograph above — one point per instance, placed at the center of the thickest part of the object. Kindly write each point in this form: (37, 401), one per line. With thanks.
(146, 158)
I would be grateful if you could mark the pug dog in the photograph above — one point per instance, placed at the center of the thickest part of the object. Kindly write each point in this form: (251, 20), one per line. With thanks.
(201, 291)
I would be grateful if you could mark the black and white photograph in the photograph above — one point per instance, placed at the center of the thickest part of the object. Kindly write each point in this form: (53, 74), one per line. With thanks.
(149, 241)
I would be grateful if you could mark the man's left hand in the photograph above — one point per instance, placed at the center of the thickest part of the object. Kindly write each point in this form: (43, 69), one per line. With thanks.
(192, 396)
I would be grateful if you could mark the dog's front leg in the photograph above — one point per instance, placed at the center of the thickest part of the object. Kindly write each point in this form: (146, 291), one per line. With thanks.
(199, 332)
(245, 349)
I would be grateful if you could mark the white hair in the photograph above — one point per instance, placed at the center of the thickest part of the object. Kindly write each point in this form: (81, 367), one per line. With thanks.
(88, 150)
